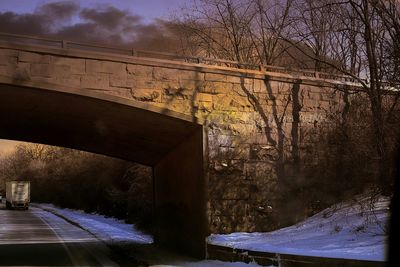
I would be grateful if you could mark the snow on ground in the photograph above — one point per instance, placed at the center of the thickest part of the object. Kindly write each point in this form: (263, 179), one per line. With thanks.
(351, 230)
(112, 230)
(107, 229)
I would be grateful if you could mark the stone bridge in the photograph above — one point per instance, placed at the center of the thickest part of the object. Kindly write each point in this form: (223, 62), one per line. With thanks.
(214, 131)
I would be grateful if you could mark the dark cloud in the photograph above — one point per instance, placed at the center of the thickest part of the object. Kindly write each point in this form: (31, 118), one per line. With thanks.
(110, 17)
(23, 24)
(58, 11)
(101, 25)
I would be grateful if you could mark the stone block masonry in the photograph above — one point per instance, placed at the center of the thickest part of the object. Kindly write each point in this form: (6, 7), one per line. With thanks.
(249, 123)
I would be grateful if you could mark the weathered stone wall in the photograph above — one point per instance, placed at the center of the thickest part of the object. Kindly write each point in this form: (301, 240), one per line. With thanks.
(254, 121)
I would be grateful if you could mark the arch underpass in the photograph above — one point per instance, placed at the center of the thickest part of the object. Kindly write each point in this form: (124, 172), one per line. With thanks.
(146, 107)
(168, 141)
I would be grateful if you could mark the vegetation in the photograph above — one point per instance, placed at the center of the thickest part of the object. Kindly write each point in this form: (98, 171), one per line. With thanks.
(342, 162)
(80, 180)
(355, 148)
(357, 38)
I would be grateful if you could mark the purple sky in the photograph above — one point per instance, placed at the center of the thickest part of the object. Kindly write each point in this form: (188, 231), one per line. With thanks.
(148, 9)
(140, 24)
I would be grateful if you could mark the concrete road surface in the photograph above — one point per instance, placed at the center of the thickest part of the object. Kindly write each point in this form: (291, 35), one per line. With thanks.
(39, 238)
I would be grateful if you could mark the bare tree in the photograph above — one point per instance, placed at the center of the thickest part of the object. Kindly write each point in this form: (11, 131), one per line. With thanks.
(249, 31)
(271, 20)
(359, 39)
(220, 28)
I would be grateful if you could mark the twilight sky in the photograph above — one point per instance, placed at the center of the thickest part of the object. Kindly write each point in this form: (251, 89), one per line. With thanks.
(148, 9)
(140, 24)
(133, 23)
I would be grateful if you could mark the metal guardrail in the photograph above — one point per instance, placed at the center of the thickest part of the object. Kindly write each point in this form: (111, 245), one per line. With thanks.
(64, 44)
(229, 254)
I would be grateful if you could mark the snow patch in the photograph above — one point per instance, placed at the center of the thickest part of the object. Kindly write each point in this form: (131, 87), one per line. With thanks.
(350, 230)
(112, 230)
(108, 230)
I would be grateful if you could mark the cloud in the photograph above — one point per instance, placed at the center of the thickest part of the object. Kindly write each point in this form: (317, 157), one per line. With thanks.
(60, 11)
(23, 24)
(111, 17)
(105, 24)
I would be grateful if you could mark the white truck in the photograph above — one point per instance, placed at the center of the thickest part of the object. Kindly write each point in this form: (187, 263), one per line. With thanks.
(18, 194)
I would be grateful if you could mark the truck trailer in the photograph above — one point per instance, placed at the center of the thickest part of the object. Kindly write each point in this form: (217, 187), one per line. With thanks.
(18, 194)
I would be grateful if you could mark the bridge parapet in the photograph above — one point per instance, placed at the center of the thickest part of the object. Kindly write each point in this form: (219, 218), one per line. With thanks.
(270, 69)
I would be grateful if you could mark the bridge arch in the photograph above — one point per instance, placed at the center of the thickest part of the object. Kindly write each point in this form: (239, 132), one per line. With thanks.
(253, 116)
(170, 142)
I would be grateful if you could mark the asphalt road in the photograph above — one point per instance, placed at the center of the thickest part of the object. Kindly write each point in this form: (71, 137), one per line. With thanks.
(39, 238)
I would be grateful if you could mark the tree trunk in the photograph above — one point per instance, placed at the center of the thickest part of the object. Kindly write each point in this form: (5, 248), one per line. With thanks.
(384, 170)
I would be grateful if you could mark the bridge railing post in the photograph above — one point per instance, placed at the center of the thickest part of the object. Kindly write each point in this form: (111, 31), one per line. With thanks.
(64, 44)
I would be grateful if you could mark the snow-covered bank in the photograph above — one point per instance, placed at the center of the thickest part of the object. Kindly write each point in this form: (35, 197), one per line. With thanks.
(108, 230)
(111, 230)
(351, 230)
